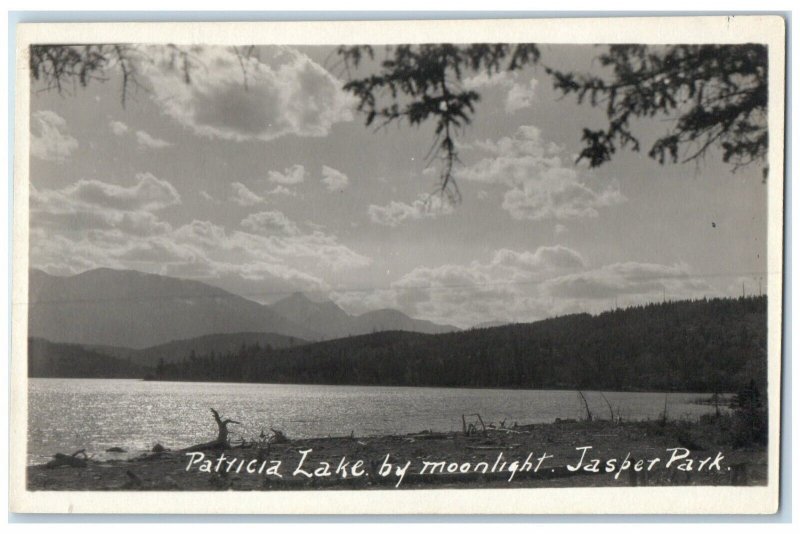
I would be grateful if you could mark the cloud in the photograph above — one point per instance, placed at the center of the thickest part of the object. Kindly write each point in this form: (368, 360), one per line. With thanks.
(94, 224)
(270, 222)
(484, 79)
(289, 246)
(149, 193)
(538, 184)
(92, 205)
(281, 190)
(280, 92)
(145, 140)
(519, 95)
(49, 140)
(291, 176)
(543, 259)
(396, 212)
(505, 288)
(315, 249)
(557, 194)
(334, 180)
(118, 128)
(243, 196)
(629, 278)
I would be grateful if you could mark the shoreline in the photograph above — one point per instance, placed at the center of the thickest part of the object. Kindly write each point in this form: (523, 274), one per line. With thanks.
(565, 453)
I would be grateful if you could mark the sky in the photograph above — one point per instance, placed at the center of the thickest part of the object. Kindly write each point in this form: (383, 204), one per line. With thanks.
(271, 183)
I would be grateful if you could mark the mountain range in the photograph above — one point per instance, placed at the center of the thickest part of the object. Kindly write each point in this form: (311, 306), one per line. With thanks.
(332, 322)
(135, 310)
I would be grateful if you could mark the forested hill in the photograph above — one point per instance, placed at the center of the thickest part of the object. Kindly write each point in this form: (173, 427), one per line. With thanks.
(704, 345)
(64, 360)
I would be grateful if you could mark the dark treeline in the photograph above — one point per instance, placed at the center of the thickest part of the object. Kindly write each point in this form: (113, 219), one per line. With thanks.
(704, 345)
(65, 360)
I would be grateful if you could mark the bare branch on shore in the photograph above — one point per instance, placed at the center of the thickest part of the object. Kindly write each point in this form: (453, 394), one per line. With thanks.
(223, 439)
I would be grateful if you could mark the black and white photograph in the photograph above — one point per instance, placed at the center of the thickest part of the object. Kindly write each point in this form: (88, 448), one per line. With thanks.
(480, 259)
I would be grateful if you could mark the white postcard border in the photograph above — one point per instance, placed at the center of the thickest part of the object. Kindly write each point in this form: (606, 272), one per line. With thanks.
(769, 30)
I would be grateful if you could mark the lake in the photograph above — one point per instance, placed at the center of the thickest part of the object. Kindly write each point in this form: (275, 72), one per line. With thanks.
(70, 414)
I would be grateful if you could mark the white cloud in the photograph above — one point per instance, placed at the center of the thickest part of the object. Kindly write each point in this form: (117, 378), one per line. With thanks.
(520, 94)
(505, 288)
(149, 193)
(145, 140)
(280, 92)
(92, 206)
(291, 176)
(49, 140)
(539, 184)
(334, 180)
(557, 194)
(94, 224)
(483, 79)
(270, 222)
(396, 212)
(118, 128)
(243, 196)
(281, 190)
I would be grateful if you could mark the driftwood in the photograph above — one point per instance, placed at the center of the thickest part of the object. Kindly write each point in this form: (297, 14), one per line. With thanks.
(471, 428)
(222, 441)
(76, 459)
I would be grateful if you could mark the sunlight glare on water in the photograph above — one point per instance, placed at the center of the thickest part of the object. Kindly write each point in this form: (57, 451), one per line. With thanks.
(71, 414)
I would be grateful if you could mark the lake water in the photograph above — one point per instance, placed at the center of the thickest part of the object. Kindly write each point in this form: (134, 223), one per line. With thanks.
(70, 414)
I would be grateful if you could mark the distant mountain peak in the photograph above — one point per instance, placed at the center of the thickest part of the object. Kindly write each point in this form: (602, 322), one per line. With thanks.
(135, 309)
